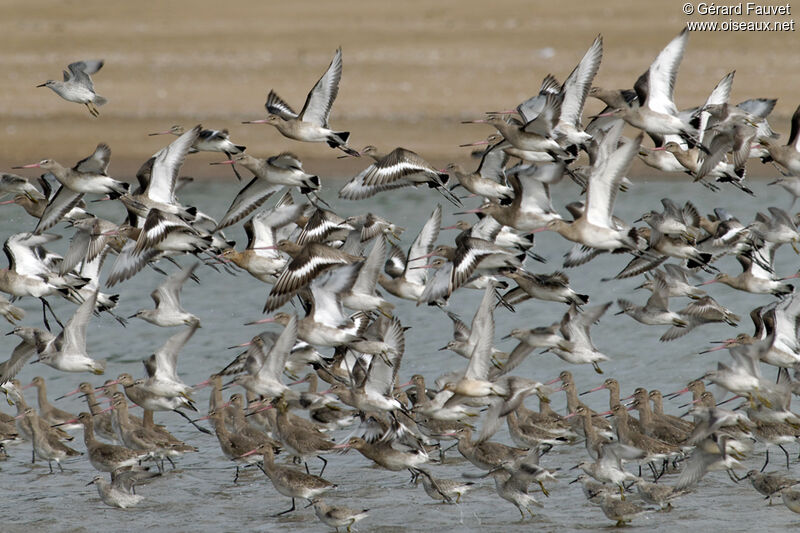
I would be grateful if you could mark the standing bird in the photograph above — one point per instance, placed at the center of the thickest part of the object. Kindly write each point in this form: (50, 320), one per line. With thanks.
(77, 85)
(311, 124)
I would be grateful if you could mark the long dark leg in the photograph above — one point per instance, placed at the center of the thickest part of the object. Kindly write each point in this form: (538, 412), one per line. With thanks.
(46, 304)
(44, 315)
(653, 470)
(306, 465)
(765, 462)
(236, 477)
(786, 454)
(286, 511)
(324, 464)
(199, 428)
(170, 462)
(60, 467)
(50, 464)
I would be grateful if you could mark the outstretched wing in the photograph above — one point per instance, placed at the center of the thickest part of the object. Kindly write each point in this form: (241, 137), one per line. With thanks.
(320, 100)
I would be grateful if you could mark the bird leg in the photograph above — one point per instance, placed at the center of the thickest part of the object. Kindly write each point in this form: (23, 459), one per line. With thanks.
(663, 468)
(324, 464)
(50, 464)
(60, 467)
(286, 511)
(786, 454)
(236, 477)
(765, 462)
(199, 428)
(597, 367)
(544, 490)
(653, 470)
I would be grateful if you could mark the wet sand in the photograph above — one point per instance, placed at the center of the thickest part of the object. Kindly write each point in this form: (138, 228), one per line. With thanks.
(412, 70)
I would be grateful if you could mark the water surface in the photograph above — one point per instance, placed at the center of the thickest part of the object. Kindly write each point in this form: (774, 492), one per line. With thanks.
(201, 496)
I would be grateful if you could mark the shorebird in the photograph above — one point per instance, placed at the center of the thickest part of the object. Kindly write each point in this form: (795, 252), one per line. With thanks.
(487, 455)
(168, 311)
(337, 516)
(30, 339)
(530, 210)
(269, 175)
(399, 168)
(447, 490)
(234, 445)
(787, 156)
(267, 366)
(298, 440)
(45, 447)
(162, 367)
(207, 141)
(162, 234)
(770, 484)
(595, 228)
(87, 176)
(514, 488)
(158, 178)
(655, 111)
(119, 493)
(487, 180)
(659, 494)
(655, 312)
(308, 262)
(291, 482)
(579, 348)
(568, 129)
(549, 287)
(48, 411)
(103, 425)
(311, 124)
(676, 281)
(406, 281)
(387, 456)
(77, 85)
(700, 311)
(791, 499)
(107, 457)
(67, 351)
(18, 185)
(621, 510)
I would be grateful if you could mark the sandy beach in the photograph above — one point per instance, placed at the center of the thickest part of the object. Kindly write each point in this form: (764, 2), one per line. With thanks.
(412, 70)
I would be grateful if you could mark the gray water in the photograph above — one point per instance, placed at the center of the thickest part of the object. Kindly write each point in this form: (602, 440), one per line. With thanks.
(200, 494)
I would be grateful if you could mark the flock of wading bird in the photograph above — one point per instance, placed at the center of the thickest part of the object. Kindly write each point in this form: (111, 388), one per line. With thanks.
(349, 337)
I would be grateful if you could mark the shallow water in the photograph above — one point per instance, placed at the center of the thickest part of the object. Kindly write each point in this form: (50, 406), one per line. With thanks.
(201, 496)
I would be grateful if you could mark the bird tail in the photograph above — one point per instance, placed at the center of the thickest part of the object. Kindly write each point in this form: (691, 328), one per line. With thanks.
(99, 367)
(338, 139)
(310, 184)
(99, 100)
